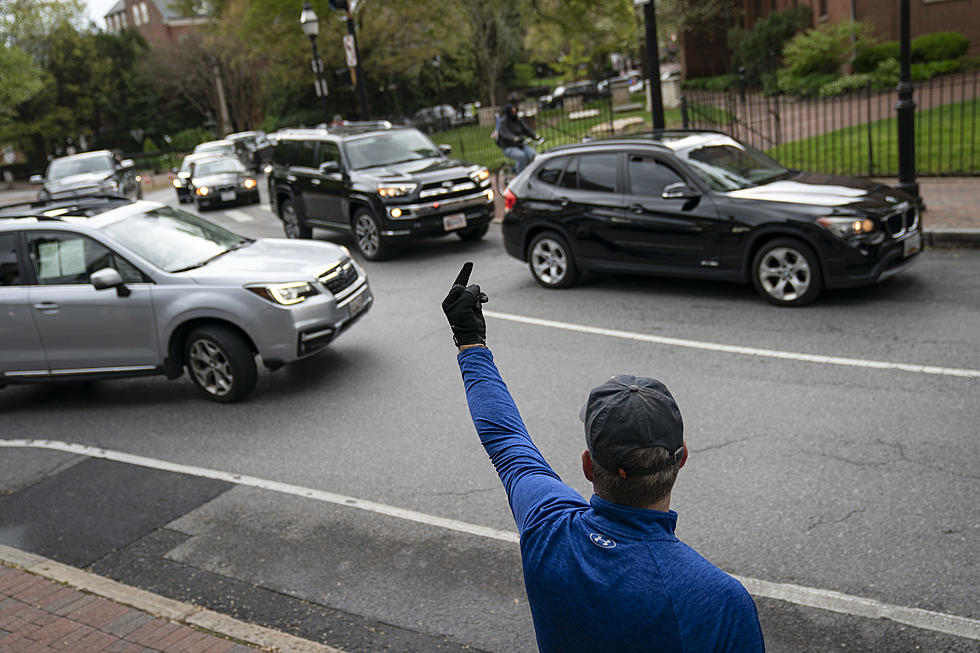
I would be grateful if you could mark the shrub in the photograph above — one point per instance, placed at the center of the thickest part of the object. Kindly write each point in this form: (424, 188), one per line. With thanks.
(869, 58)
(825, 49)
(924, 71)
(185, 140)
(758, 50)
(846, 84)
(717, 83)
(804, 85)
(938, 46)
(886, 74)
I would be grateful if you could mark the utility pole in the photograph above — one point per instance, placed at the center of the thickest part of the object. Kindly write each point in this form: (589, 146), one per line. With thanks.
(353, 54)
(653, 62)
(905, 108)
(224, 124)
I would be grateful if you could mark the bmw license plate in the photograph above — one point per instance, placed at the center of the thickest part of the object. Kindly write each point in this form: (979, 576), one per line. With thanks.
(912, 244)
(228, 196)
(357, 304)
(454, 221)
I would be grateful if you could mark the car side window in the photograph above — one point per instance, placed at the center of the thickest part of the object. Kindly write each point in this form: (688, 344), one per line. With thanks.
(9, 268)
(305, 154)
(649, 177)
(550, 172)
(570, 178)
(65, 258)
(328, 152)
(597, 172)
(285, 152)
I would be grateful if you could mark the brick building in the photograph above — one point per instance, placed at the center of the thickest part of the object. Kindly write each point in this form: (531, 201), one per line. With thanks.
(707, 54)
(154, 19)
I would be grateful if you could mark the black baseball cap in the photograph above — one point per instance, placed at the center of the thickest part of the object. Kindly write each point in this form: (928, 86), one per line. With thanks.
(631, 412)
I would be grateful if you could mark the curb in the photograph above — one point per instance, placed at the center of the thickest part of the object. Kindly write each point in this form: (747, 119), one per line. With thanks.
(160, 606)
(942, 238)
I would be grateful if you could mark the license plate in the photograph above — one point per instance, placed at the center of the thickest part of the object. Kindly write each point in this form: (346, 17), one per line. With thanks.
(357, 304)
(454, 221)
(227, 196)
(912, 244)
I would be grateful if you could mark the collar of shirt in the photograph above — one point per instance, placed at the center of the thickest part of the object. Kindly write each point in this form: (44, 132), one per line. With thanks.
(629, 522)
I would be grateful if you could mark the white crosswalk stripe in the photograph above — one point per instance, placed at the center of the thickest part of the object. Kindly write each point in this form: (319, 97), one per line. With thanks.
(238, 216)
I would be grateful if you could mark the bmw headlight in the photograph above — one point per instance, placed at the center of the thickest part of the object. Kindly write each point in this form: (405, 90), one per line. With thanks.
(249, 183)
(202, 190)
(286, 294)
(847, 228)
(396, 190)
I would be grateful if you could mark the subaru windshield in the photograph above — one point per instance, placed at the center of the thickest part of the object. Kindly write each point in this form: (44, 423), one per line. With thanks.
(174, 240)
(390, 147)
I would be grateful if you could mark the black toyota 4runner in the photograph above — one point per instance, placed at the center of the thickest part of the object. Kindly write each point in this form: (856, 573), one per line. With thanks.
(383, 183)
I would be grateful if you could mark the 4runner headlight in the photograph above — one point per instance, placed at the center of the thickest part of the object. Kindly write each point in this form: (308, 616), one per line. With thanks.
(109, 185)
(287, 294)
(847, 227)
(395, 190)
(480, 175)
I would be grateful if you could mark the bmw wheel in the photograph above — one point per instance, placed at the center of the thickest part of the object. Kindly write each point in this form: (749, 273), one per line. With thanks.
(368, 237)
(220, 362)
(551, 261)
(292, 223)
(787, 273)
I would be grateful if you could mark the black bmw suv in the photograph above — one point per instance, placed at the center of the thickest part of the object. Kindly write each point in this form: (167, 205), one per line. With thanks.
(700, 204)
(383, 183)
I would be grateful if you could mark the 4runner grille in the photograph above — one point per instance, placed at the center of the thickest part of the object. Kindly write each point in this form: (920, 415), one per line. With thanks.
(339, 277)
(448, 188)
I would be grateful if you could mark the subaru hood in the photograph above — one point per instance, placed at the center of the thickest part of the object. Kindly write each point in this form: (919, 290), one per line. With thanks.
(270, 260)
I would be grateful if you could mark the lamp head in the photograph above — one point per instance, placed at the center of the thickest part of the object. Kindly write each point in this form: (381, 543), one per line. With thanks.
(309, 20)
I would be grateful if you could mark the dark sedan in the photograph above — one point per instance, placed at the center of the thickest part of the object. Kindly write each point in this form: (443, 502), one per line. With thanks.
(223, 181)
(700, 204)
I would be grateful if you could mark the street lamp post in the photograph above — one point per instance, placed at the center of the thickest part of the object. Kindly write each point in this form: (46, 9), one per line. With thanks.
(653, 62)
(905, 108)
(354, 60)
(311, 27)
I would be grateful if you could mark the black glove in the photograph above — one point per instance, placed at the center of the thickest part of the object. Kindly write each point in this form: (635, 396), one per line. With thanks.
(463, 307)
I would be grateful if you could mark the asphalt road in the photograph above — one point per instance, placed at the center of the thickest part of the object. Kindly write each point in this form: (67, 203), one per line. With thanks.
(853, 474)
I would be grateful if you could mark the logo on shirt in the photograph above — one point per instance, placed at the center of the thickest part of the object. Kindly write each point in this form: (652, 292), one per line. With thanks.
(601, 541)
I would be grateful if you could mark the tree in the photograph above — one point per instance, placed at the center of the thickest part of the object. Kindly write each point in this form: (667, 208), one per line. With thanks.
(19, 80)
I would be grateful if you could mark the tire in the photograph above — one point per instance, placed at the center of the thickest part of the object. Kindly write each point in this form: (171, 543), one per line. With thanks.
(292, 222)
(220, 363)
(786, 272)
(473, 233)
(200, 205)
(551, 260)
(367, 236)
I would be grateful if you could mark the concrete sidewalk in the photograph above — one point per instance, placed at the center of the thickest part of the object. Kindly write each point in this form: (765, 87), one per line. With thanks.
(48, 607)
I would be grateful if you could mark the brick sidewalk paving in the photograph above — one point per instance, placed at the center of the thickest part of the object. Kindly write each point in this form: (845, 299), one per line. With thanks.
(38, 615)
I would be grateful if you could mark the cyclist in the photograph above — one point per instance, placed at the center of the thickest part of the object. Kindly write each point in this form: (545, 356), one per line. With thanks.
(510, 137)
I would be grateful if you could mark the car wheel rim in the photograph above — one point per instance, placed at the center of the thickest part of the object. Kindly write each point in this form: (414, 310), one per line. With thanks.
(211, 368)
(290, 222)
(367, 235)
(549, 261)
(784, 274)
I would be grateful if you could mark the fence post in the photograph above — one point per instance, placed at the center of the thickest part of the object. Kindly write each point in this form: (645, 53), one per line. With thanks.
(685, 122)
(871, 149)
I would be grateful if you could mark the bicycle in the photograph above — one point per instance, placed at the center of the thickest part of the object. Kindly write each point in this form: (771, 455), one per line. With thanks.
(504, 173)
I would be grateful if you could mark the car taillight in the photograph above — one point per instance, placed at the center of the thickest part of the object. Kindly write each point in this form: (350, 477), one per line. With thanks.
(509, 199)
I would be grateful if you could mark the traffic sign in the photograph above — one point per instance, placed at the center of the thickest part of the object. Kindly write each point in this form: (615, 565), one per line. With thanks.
(350, 50)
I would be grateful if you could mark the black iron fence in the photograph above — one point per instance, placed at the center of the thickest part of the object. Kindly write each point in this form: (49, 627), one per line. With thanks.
(853, 134)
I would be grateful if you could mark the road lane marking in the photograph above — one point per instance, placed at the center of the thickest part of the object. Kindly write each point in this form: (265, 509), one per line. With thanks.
(738, 349)
(238, 216)
(798, 594)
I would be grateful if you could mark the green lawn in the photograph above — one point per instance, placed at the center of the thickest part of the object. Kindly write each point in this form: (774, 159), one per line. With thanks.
(946, 139)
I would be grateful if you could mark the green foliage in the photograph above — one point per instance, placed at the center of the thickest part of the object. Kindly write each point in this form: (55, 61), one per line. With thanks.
(825, 49)
(870, 56)
(938, 46)
(845, 84)
(186, 139)
(924, 71)
(804, 85)
(886, 74)
(758, 50)
(19, 79)
(717, 83)
(149, 147)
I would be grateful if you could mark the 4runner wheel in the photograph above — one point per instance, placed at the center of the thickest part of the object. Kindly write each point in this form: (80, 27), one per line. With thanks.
(292, 223)
(551, 261)
(473, 233)
(787, 273)
(368, 237)
(220, 363)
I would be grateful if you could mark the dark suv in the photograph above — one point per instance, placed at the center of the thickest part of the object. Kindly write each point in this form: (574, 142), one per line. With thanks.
(89, 173)
(381, 182)
(700, 204)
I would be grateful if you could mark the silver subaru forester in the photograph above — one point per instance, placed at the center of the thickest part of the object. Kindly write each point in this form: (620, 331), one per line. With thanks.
(104, 287)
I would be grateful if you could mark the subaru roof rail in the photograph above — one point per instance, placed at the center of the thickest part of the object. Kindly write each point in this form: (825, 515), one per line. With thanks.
(86, 206)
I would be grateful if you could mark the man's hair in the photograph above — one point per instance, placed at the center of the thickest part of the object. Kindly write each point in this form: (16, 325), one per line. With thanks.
(637, 490)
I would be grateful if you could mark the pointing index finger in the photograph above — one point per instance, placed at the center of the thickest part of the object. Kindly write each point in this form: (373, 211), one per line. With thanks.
(464, 274)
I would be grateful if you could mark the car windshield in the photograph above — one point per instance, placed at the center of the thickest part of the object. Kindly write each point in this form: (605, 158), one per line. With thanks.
(215, 147)
(390, 147)
(729, 165)
(218, 166)
(79, 165)
(174, 240)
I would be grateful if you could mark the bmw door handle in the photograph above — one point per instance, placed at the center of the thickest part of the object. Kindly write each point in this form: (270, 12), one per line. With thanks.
(637, 208)
(563, 201)
(46, 306)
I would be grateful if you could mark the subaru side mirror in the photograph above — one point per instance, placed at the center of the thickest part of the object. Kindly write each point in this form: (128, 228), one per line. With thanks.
(445, 149)
(109, 278)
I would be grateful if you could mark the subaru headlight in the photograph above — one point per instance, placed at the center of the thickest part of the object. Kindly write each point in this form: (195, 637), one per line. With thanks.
(249, 183)
(847, 228)
(396, 190)
(286, 294)
(480, 176)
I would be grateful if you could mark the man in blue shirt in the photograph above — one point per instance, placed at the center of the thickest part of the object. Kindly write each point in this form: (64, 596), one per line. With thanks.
(607, 575)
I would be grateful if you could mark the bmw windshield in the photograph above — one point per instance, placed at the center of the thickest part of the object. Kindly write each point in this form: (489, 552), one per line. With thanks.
(390, 147)
(173, 240)
(70, 166)
(725, 164)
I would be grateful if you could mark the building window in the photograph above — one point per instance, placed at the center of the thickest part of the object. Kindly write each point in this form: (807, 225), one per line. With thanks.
(123, 20)
(823, 7)
(146, 14)
(136, 15)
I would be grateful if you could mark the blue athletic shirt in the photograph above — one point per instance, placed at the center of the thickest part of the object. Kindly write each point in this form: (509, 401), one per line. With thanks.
(601, 577)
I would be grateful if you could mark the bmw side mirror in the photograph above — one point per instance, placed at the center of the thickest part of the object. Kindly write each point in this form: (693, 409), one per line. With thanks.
(109, 278)
(125, 164)
(37, 179)
(445, 149)
(679, 191)
(329, 167)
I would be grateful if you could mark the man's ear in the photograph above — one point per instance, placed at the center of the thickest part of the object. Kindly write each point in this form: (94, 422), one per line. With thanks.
(684, 457)
(587, 466)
